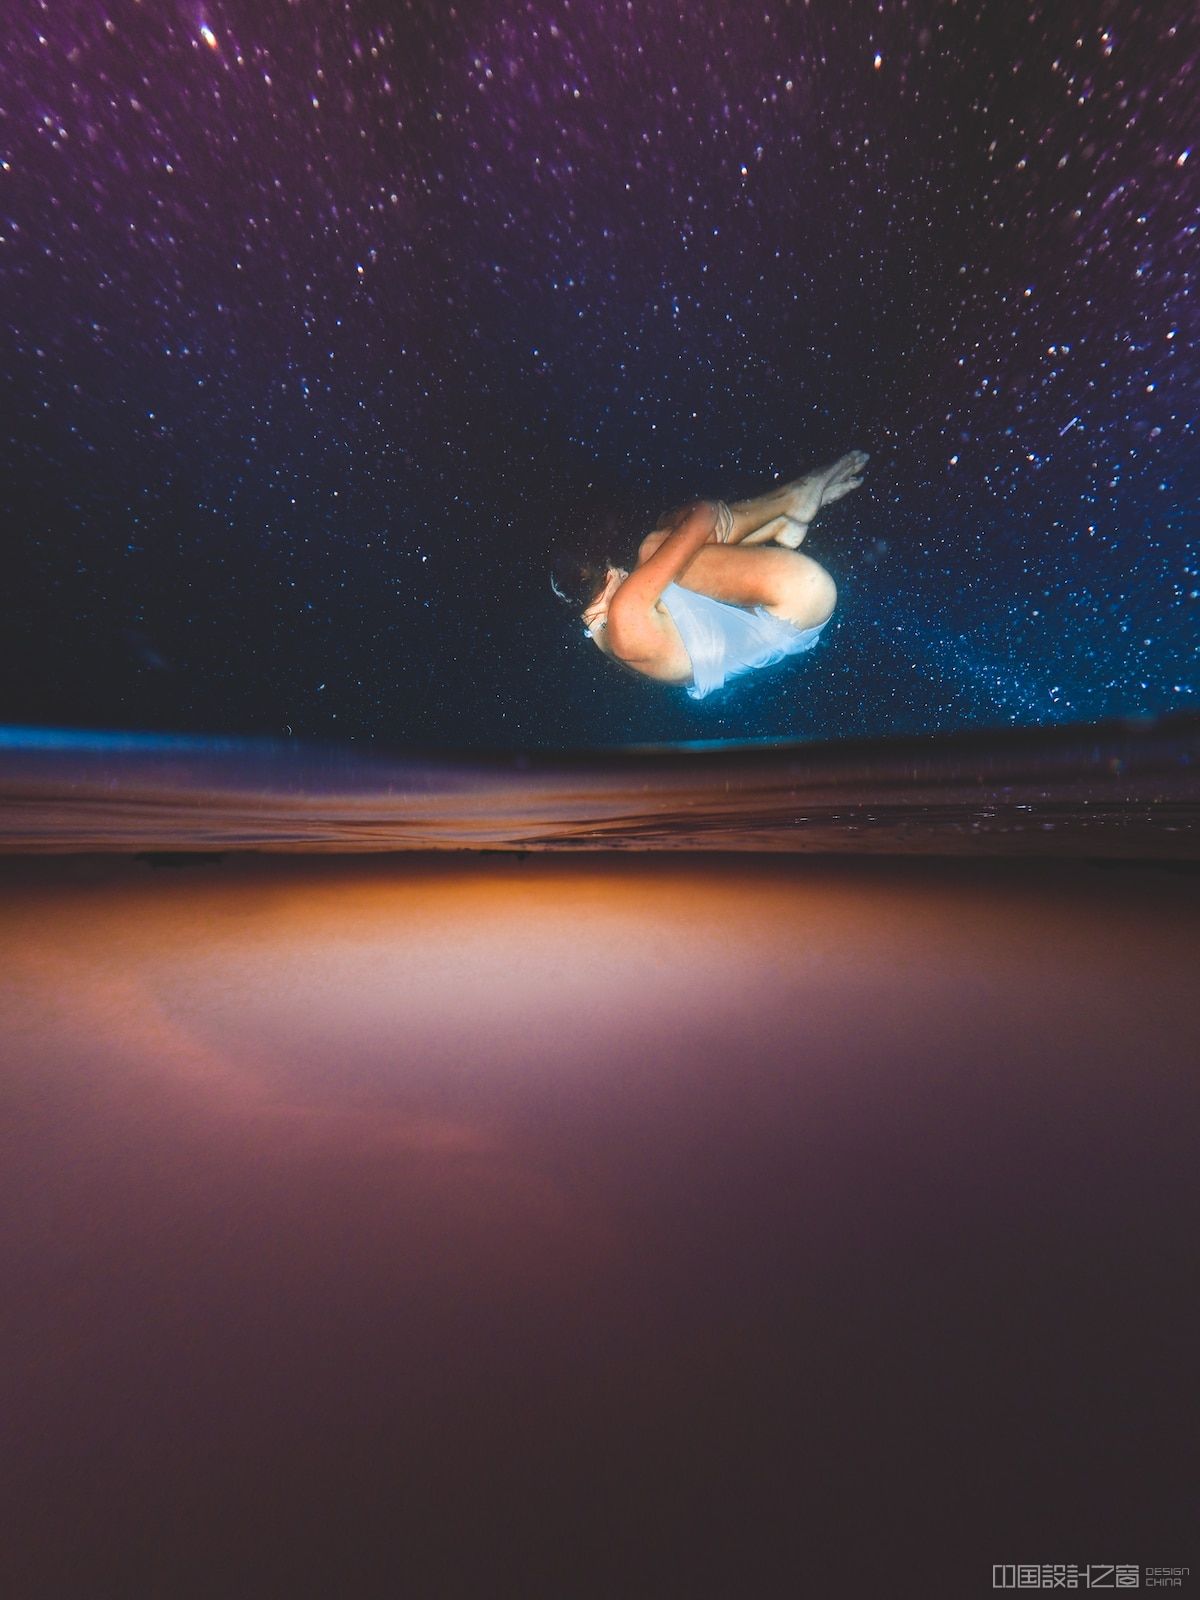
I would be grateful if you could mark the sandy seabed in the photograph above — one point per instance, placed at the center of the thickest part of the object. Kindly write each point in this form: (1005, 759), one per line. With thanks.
(594, 1226)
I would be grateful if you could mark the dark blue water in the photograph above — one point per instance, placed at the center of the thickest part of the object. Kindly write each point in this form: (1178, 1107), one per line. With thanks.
(319, 329)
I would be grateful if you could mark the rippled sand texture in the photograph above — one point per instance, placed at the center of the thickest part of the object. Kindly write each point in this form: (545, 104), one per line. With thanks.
(1119, 790)
(593, 1227)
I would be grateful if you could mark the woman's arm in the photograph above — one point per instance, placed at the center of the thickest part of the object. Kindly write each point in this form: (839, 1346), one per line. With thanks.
(634, 602)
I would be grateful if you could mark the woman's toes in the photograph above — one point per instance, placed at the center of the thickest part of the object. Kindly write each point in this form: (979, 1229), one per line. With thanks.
(837, 491)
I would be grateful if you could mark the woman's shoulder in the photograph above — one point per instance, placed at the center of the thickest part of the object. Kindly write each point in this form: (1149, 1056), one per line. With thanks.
(651, 646)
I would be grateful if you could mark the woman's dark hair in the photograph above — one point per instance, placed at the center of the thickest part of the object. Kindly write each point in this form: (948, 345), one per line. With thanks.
(577, 576)
(604, 530)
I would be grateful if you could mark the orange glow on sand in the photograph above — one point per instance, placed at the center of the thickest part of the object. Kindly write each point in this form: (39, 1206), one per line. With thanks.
(706, 1196)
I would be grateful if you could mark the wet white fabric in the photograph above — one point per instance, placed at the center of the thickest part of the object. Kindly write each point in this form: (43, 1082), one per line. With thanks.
(725, 641)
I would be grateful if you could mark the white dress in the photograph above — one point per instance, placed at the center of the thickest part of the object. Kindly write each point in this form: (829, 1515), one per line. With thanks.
(725, 641)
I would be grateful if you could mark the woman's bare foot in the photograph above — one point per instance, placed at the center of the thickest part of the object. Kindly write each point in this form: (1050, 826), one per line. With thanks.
(805, 497)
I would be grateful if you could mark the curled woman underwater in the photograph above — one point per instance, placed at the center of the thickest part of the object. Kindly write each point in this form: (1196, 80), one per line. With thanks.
(719, 590)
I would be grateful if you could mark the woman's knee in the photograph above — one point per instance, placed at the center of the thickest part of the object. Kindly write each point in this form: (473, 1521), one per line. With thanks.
(809, 596)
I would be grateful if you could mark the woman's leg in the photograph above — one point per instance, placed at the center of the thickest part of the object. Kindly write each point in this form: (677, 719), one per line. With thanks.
(789, 584)
(772, 573)
(782, 515)
(757, 521)
(777, 530)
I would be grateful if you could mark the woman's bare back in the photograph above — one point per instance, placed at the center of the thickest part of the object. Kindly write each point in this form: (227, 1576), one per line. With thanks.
(667, 660)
